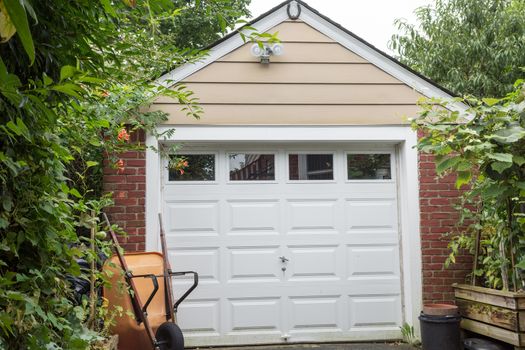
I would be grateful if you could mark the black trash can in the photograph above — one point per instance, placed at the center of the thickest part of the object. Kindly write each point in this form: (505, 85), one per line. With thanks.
(440, 332)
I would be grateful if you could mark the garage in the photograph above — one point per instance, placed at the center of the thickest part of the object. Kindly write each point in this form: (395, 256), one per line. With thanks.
(299, 203)
(292, 242)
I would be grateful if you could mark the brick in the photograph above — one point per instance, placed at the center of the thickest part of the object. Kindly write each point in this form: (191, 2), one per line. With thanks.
(139, 163)
(114, 179)
(135, 209)
(136, 239)
(123, 216)
(439, 201)
(126, 201)
(124, 186)
(136, 178)
(136, 194)
(115, 209)
(129, 154)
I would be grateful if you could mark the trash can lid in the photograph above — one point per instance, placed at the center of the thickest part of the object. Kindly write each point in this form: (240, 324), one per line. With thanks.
(481, 344)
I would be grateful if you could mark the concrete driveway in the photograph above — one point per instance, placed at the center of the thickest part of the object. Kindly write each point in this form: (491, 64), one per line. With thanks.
(350, 346)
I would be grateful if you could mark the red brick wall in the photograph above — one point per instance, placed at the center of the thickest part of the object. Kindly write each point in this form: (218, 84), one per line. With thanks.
(437, 197)
(128, 186)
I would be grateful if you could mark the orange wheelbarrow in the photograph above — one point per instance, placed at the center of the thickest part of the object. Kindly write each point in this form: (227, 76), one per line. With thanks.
(150, 324)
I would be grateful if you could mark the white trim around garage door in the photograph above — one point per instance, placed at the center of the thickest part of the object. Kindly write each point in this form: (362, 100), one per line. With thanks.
(404, 138)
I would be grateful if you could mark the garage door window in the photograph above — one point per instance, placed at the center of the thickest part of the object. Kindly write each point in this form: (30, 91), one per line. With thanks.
(311, 166)
(251, 167)
(369, 166)
(192, 167)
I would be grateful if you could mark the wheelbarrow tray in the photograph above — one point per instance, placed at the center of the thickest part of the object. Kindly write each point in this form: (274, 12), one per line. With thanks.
(133, 335)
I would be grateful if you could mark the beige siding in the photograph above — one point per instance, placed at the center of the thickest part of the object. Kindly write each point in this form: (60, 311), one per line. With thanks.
(306, 94)
(293, 114)
(327, 73)
(300, 53)
(316, 81)
(299, 32)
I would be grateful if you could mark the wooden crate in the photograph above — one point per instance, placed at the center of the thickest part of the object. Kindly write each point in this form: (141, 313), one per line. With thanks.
(492, 313)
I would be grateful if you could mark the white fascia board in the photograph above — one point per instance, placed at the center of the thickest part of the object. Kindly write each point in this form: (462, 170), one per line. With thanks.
(377, 59)
(286, 133)
(223, 48)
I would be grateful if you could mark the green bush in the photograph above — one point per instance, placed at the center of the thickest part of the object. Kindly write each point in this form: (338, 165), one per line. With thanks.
(72, 76)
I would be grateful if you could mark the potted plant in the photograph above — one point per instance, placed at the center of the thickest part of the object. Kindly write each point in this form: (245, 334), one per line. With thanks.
(485, 148)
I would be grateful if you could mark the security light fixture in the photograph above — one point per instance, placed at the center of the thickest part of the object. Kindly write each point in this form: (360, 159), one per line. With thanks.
(265, 51)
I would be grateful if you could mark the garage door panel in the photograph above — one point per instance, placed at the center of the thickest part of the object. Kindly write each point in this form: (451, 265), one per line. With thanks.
(192, 217)
(205, 260)
(372, 238)
(312, 262)
(372, 261)
(312, 214)
(315, 313)
(377, 285)
(254, 264)
(371, 215)
(200, 316)
(255, 315)
(378, 311)
(247, 216)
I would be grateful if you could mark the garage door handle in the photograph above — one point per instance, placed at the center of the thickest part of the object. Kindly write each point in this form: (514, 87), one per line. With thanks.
(283, 259)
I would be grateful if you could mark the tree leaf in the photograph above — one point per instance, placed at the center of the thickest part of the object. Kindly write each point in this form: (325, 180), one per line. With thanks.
(491, 101)
(75, 193)
(447, 163)
(521, 265)
(69, 89)
(91, 163)
(18, 16)
(500, 166)
(7, 28)
(108, 8)
(509, 135)
(520, 160)
(493, 190)
(67, 72)
(501, 157)
(463, 178)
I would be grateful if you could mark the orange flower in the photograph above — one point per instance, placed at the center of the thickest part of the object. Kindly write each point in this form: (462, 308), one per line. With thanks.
(120, 164)
(123, 135)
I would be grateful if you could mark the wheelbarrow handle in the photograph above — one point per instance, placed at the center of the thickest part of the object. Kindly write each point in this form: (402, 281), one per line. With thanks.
(188, 292)
(155, 289)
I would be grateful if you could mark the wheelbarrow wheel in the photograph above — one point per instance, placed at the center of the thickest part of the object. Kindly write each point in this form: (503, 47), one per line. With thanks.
(170, 336)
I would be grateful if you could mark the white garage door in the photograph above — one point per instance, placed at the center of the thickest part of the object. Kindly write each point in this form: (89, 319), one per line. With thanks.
(292, 244)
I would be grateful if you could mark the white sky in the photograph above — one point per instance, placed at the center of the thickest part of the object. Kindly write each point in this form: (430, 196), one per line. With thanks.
(372, 20)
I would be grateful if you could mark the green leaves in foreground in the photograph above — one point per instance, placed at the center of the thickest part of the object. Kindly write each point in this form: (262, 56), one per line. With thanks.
(17, 15)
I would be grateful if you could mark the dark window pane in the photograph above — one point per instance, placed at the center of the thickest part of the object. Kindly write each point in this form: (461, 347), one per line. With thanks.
(251, 166)
(311, 166)
(192, 167)
(369, 166)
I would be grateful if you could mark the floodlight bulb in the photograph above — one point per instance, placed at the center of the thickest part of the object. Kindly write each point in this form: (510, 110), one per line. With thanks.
(277, 49)
(256, 50)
